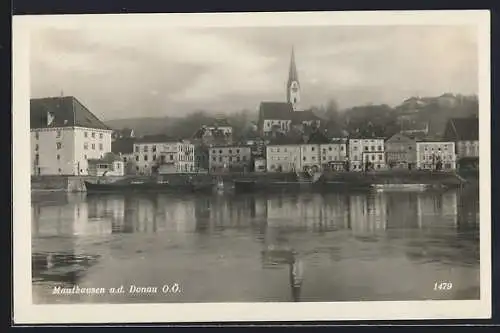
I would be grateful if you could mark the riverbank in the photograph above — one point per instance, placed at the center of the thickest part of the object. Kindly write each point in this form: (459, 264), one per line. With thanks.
(76, 183)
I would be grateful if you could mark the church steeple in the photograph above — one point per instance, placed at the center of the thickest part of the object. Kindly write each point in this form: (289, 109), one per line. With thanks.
(293, 86)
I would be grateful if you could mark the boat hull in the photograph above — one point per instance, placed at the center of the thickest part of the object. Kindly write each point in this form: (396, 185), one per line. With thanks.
(253, 186)
(145, 187)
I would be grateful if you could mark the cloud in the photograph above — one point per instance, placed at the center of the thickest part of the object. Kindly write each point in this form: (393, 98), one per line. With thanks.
(127, 72)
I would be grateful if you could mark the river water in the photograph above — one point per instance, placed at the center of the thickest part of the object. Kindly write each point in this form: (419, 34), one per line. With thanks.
(255, 248)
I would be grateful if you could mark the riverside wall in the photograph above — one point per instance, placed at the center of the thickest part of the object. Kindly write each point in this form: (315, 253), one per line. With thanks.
(76, 183)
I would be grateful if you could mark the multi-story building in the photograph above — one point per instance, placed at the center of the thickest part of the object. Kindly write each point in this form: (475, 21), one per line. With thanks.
(124, 148)
(160, 154)
(333, 155)
(366, 153)
(310, 157)
(64, 135)
(230, 158)
(400, 152)
(283, 158)
(432, 155)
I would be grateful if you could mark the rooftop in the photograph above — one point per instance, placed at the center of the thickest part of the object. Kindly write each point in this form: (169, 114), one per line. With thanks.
(64, 111)
(276, 110)
(462, 129)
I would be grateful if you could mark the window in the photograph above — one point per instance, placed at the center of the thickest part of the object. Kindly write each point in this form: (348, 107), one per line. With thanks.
(277, 150)
(237, 151)
(244, 158)
(154, 148)
(220, 158)
(137, 158)
(372, 148)
(145, 157)
(37, 135)
(145, 148)
(366, 148)
(314, 158)
(237, 159)
(213, 151)
(124, 159)
(312, 148)
(379, 148)
(373, 157)
(93, 134)
(171, 157)
(85, 156)
(136, 149)
(93, 146)
(230, 151)
(36, 147)
(101, 146)
(58, 157)
(85, 134)
(154, 157)
(220, 151)
(324, 158)
(137, 168)
(285, 150)
(378, 166)
(380, 157)
(214, 159)
(342, 148)
(329, 158)
(58, 135)
(230, 159)
(304, 158)
(60, 170)
(58, 145)
(85, 145)
(355, 148)
(330, 148)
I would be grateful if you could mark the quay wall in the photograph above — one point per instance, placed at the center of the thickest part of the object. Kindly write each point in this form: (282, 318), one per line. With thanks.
(76, 183)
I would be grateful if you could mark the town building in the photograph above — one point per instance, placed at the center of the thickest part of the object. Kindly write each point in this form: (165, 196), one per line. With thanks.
(64, 136)
(220, 132)
(109, 165)
(334, 155)
(365, 154)
(464, 132)
(310, 157)
(163, 155)
(400, 152)
(230, 158)
(283, 158)
(124, 148)
(435, 155)
(259, 164)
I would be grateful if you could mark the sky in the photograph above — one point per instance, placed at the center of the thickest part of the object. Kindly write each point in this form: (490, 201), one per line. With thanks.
(128, 73)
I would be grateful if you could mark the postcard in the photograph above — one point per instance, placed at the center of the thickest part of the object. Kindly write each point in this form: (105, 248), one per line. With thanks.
(251, 167)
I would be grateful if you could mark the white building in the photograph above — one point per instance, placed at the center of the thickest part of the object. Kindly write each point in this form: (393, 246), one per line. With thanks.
(64, 135)
(109, 165)
(159, 153)
(230, 157)
(362, 151)
(333, 155)
(310, 156)
(431, 154)
(283, 158)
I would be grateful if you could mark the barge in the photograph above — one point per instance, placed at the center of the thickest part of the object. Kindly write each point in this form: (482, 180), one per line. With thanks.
(147, 186)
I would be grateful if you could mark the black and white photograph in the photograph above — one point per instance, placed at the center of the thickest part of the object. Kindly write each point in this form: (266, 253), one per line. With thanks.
(251, 167)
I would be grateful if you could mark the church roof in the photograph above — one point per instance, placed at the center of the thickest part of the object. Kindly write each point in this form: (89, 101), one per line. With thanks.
(292, 73)
(64, 111)
(301, 116)
(276, 110)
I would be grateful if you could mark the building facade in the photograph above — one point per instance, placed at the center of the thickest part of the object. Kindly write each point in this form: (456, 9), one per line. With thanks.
(236, 158)
(157, 155)
(435, 155)
(109, 165)
(464, 132)
(283, 158)
(400, 152)
(333, 155)
(64, 136)
(310, 157)
(366, 154)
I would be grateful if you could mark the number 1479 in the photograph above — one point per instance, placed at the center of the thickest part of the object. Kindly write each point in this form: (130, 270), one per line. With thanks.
(443, 286)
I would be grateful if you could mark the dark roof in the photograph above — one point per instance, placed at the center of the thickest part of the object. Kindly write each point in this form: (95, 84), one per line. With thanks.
(462, 129)
(156, 138)
(66, 111)
(276, 110)
(398, 137)
(220, 122)
(123, 146)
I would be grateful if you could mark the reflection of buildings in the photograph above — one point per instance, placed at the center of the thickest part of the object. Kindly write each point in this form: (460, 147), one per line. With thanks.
(367, 213)
(437, 209)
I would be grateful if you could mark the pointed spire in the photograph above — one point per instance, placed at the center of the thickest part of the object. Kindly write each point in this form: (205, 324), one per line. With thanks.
(292, 74)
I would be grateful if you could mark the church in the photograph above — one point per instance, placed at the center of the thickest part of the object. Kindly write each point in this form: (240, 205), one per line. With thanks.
(281, 117)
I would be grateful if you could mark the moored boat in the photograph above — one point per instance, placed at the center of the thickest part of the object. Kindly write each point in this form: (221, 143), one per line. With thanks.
(146, 186)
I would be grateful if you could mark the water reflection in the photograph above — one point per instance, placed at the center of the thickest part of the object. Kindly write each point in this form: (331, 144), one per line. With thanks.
(300, 238)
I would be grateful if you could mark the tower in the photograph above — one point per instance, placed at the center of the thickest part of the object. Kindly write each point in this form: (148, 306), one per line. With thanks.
(293, 86)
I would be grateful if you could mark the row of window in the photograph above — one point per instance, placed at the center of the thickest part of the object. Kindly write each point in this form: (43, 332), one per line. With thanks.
(59, 134)
(163, 158)
(236, 159)
(86, 146)
(371, 148)
(230, 151)
(145, 148)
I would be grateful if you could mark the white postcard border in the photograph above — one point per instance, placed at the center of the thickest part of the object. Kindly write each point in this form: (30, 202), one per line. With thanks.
(27, 313)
